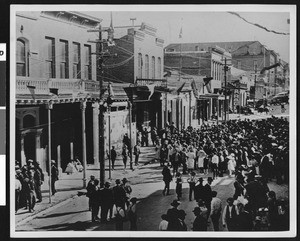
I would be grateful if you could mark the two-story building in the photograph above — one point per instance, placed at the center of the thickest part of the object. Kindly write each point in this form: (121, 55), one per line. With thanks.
(56, 85)
(137, 59)
(208, 65)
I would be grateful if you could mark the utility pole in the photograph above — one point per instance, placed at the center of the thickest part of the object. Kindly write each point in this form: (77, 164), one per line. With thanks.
(99, 48)
(255, 71)
(226, 68)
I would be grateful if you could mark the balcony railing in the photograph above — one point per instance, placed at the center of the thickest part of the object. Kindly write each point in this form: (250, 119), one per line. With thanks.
(64, 86)
(156, 82)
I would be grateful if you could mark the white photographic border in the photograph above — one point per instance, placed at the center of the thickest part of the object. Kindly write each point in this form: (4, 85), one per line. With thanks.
(201, 8)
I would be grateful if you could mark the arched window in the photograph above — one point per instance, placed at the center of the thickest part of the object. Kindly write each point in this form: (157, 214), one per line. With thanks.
(159, 68)
(153, 67)
(22, 58)
(140, 65)
(147, 67)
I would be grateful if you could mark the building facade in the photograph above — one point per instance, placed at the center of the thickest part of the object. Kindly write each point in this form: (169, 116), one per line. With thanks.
(208, 65)
(137, 58)
(56, 86)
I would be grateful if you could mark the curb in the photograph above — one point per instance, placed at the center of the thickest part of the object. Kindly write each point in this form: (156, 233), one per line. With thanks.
(45, 210)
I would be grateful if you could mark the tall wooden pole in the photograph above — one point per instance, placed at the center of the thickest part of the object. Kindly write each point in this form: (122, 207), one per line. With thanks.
(101, 111)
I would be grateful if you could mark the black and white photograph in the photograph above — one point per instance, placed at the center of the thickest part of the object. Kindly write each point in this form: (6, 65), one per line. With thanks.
(153, 121)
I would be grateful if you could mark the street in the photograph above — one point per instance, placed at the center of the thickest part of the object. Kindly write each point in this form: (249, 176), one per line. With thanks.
(147, 187)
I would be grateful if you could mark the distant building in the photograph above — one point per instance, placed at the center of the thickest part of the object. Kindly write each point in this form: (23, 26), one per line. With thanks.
(208, 63)
(251, 56)
(137, 58)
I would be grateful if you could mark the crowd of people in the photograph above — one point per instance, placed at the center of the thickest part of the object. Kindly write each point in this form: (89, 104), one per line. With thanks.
(107, 199)
(254, 152)
(28, 181)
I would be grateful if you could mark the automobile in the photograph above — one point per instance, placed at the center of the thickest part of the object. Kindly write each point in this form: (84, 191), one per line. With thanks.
(280, 98)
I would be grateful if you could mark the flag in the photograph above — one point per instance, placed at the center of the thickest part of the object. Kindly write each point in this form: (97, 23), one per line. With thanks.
(180, 33)
(180, 88)
(151, 89)
(32, 91)
(110, 90)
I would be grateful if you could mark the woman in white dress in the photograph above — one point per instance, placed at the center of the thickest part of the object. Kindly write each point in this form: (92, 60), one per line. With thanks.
(231, 164)
(191, 159)
(201, 155)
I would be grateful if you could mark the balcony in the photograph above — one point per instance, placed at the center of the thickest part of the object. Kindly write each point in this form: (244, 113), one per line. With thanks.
(64, 86)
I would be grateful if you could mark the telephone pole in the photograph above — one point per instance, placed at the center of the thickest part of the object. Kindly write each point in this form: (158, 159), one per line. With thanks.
(255, 70)
(226, 68)
(99, 57)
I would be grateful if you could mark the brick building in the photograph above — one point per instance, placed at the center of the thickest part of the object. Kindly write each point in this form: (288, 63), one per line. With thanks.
(137, 58)
(207, 63)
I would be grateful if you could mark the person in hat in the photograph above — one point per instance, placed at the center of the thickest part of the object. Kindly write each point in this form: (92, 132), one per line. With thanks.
(29, 192)
(200, 222)
(89, 188)
(107, 201)
(119, 195)
(137, 152)
(216, 209)
(230, 213)
(95, 201)
(131, 213)
(173, 215)
(178, 185)
(181, 217)
(128, 190)
(207, 195)
(192, 182)
(199, 189)
(54, 176)
(38, 178)
(167, 178)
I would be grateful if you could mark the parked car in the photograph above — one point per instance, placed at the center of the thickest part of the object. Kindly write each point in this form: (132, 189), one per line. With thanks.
(280, 98)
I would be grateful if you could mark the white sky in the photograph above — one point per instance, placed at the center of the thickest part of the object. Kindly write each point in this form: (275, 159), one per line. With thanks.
(209, 26)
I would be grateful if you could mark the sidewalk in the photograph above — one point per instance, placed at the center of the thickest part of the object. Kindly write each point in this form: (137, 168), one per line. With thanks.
(69, 186)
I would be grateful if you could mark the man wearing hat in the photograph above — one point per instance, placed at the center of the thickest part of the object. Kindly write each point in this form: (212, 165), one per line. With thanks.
(107, 200)
(89, 189)
(173, 215)
(230, 213)
(38, 178)
(207, 195)
(200, 222)
(54, 176)
(119, 195)
(199, 189)
(127, 189)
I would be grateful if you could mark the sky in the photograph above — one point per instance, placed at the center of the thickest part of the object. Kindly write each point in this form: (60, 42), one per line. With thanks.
(209, 26)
